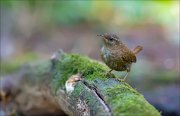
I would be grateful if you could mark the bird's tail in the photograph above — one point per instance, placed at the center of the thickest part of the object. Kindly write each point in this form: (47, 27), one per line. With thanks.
(137, 49)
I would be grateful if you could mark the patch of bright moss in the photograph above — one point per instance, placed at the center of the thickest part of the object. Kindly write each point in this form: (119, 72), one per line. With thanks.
(70, 64)
(129, 101)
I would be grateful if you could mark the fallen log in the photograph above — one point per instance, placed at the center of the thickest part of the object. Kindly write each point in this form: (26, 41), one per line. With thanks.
(76, 86)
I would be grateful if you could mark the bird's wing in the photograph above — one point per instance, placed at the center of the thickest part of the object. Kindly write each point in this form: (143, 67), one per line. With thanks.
(128, 57)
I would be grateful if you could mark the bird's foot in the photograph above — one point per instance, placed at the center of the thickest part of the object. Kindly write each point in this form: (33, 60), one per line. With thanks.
(109, 74)
(121, 80)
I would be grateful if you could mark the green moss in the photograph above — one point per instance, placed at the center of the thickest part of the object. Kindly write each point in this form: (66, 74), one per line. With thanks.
(124, 100)
(70, 64)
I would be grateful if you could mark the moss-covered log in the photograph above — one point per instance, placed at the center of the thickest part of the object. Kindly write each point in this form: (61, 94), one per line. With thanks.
(78, 86)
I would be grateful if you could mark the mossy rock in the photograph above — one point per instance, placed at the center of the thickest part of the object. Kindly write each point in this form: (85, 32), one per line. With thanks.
(119, 97)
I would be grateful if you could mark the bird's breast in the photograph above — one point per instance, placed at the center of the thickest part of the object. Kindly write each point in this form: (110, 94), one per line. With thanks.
(105, 54)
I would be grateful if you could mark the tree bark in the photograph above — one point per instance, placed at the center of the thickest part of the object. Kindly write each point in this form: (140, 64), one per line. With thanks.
(74, 85)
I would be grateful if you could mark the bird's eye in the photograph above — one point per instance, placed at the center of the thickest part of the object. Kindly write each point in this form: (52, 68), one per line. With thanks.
(111, 39)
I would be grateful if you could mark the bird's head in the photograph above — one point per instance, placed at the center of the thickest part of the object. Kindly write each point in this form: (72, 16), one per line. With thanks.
(110, 40)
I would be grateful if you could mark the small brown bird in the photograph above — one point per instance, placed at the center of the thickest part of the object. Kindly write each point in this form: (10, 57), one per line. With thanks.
(116, 55)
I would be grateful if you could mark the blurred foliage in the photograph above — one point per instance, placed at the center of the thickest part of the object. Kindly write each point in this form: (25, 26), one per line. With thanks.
(14, 64)
(164, 78)
(72, 12)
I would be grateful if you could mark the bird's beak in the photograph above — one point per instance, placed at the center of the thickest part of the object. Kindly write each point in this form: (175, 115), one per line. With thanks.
(102, 36)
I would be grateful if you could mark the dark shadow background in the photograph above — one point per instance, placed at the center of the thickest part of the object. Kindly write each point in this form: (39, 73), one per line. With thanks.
(32, 30)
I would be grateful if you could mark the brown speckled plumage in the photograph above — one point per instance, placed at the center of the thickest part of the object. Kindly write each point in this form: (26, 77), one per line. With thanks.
(116, 54)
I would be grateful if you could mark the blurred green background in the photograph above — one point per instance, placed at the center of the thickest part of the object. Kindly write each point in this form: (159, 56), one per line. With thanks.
(34, 29)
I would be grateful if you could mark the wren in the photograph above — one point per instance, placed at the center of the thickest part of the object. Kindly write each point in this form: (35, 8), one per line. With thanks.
(116, 55)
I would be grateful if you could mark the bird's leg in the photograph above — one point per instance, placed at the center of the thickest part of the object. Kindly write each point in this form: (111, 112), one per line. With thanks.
(128, 68)
(125, 76)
